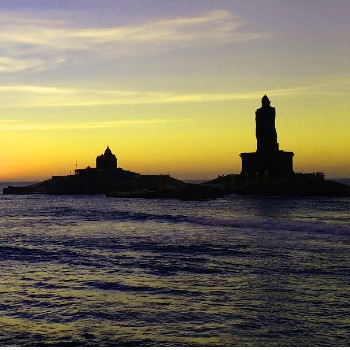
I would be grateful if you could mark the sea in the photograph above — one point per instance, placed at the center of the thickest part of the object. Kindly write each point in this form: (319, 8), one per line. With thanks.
(236, 271)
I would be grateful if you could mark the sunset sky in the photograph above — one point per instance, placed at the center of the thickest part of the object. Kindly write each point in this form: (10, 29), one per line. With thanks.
(171, 86)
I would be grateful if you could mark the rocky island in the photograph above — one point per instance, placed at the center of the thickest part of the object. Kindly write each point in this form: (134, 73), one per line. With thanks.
(266, 172)
(105, 178)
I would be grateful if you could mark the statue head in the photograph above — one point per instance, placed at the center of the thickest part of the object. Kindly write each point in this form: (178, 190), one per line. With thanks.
(265, 101)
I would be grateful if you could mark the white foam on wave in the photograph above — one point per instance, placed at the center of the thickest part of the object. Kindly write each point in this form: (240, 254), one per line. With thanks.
(274, 225)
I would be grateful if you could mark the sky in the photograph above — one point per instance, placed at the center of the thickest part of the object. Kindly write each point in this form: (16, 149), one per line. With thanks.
(171, 86)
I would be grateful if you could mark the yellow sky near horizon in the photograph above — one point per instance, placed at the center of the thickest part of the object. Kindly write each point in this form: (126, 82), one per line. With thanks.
(192, 140)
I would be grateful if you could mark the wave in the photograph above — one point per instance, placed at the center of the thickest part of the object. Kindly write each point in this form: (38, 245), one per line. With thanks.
(274, 225)
(116, 286)
(244, 223)
(270, 224)
(68, 214)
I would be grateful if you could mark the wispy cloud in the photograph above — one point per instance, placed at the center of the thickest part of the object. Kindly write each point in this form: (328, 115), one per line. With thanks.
(37, 44)
(13, 64)
(33, 96)
(19, 125)
(28, 96)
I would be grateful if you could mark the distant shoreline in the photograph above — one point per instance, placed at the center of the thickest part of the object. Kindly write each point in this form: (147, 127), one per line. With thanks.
(345, 180)
(162, 186)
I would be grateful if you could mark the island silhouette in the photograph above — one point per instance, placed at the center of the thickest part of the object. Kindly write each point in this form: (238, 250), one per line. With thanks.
(267, 172)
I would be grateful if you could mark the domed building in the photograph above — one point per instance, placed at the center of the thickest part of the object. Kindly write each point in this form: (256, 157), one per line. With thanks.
(106, 161)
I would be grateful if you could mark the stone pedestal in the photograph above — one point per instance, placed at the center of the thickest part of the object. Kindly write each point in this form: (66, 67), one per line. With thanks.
(278, 163)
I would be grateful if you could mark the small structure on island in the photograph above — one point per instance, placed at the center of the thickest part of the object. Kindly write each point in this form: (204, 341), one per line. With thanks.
(268, 161)
(107, 178)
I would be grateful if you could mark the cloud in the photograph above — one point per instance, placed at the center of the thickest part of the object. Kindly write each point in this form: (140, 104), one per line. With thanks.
(31, 96)
(12, 64)
(35, 96)
(19, 125)
(34, 43)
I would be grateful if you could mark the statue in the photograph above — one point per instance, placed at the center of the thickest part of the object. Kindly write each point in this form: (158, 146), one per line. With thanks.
(268, 161)
(266, 134)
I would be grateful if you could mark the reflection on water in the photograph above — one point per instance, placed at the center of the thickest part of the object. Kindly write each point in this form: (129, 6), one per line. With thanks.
(232, 272)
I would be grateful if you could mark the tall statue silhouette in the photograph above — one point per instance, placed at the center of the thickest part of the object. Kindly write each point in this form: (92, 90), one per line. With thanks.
(266, 134)
(268, 161)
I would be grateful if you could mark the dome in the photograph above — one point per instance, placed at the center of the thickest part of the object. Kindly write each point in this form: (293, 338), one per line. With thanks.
(106, 161)
(108, 151)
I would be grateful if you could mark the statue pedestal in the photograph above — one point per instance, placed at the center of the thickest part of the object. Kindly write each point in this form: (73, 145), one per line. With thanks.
(275, 164)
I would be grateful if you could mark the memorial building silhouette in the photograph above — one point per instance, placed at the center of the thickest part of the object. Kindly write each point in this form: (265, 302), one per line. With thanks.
(106, 161)
(268, 161)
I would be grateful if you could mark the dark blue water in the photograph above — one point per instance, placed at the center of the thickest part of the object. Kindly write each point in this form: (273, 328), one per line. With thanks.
(240, 271)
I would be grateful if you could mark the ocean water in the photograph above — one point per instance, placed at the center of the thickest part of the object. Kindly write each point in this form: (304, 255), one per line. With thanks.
(237, 271)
